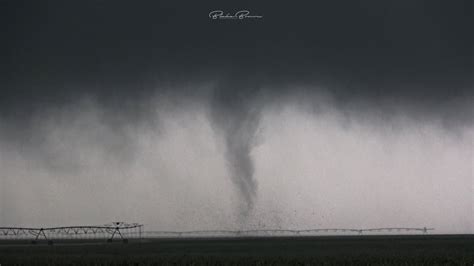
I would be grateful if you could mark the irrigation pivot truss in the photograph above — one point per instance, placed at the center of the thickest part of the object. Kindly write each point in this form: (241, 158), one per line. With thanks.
(125, 231)
(121, 230)
(286, 232)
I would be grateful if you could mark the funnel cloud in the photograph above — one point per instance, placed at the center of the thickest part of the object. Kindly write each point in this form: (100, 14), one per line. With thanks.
(236, 117)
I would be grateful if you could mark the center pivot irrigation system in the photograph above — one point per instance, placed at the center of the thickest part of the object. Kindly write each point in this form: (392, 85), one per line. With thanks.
(120, 230)
(289, 232)
(125, 231)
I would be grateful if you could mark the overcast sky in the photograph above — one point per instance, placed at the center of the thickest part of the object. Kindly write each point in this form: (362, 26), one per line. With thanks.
(330, 114)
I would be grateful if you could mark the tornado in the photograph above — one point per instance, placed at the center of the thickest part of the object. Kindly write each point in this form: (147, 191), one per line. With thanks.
(235, 116)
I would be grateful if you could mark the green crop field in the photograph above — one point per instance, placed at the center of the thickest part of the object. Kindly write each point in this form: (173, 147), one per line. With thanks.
(336, 250)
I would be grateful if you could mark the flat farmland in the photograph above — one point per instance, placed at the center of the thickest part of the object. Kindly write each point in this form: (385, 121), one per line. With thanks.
(323, 250)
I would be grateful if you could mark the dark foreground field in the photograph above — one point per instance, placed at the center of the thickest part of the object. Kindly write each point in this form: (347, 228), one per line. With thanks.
(337, 250)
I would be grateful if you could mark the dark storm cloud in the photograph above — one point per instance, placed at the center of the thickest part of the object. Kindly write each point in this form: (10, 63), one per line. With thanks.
(409, 50)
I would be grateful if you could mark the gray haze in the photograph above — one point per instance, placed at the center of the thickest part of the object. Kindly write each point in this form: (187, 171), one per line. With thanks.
(257, 160)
